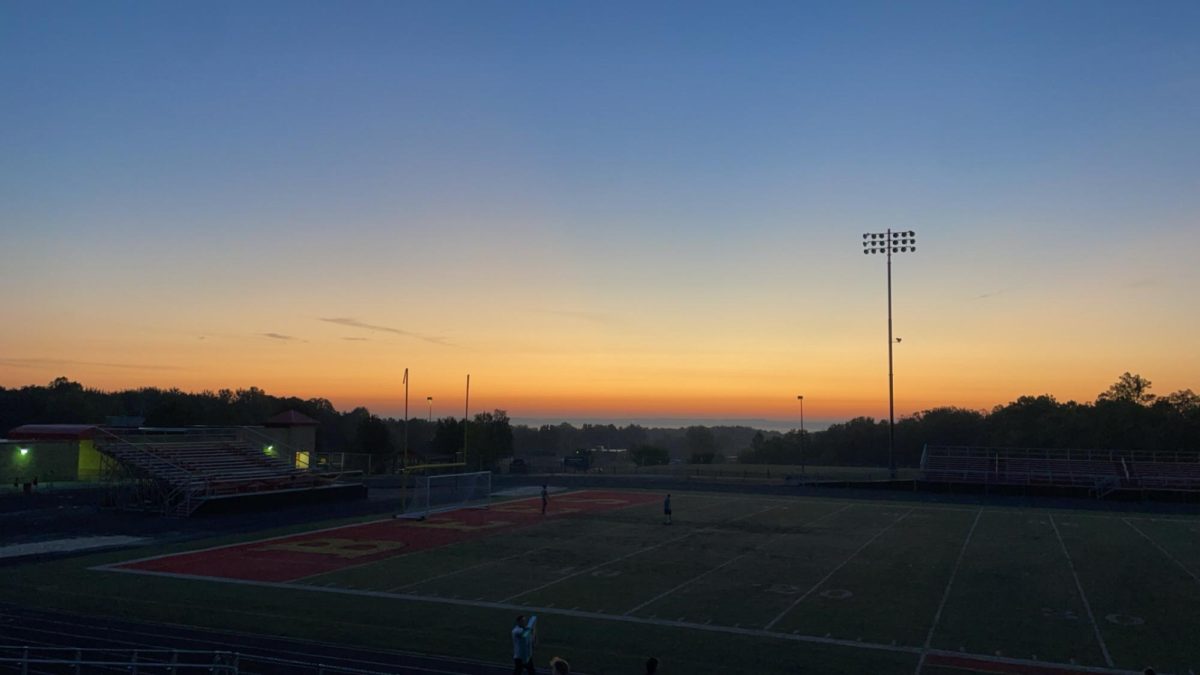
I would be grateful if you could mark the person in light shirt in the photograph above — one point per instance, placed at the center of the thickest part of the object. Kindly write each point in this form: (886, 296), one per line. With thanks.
(523, 633)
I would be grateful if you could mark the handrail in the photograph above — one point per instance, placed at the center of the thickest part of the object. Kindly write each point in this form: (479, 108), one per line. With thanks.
(174, 659)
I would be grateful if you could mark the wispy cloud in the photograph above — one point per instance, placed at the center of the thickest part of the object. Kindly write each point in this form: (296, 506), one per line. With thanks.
(355, 323)
(595, 317)
(278, 336)
(356, 339)
(42, 363)
(991, 294)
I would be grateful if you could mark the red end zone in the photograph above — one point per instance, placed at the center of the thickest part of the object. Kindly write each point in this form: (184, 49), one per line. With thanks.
(302, 555)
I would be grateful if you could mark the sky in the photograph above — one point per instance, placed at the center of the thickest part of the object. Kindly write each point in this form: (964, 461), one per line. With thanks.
(601, 210)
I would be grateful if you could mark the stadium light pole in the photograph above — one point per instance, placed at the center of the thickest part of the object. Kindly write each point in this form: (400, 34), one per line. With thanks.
(801, 399)
(466, 418)
(405, 418)
(429, 400)
(889, 242)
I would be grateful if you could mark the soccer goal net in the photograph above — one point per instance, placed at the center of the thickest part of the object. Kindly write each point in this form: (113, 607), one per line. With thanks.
(447, 492)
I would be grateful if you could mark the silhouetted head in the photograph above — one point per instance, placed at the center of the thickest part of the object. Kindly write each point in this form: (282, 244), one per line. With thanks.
(651, 666)
(1148, 671)
(521, 621)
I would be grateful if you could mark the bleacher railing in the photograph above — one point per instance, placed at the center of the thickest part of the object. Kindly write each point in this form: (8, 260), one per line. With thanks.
(1102, 471)
(1181, 456)
(25, 659)
(28, 659)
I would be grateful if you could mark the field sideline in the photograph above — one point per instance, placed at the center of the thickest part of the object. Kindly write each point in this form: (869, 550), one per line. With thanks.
(737, 583)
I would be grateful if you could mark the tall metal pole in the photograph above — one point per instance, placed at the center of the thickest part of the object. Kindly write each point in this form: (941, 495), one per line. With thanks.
(890, 242)
(406, 417)
(891, 376)
(429, 400)
(466, 417)
(801, 399)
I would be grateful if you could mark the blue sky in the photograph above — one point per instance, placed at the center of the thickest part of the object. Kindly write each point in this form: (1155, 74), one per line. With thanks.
(663, 185)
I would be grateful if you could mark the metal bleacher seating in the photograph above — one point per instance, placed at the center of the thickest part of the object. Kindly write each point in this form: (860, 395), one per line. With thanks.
(176, 474)
(1101, 471)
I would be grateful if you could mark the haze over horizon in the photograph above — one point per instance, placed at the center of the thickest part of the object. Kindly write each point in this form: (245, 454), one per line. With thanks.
(602, 211)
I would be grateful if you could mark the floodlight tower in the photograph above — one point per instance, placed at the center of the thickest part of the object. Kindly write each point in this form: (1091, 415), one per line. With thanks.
(889, 242)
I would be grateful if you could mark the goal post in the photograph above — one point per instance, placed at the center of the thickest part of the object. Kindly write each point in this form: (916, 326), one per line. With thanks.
(447, 492)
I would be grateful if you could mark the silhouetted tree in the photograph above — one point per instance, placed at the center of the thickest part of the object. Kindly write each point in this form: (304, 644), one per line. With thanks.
(372, 437)
(1128, 387)
(700, 441)
(489, 438)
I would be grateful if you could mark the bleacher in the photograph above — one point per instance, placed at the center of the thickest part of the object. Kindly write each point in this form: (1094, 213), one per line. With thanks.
(1099, 471)
(1167, 475)
(177, 474)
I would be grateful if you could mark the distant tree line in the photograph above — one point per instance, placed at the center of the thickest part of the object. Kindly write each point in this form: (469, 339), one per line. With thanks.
(489, 436)
(1125, 416)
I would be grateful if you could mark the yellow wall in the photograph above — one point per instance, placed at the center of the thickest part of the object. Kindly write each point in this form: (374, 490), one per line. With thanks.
(89, 462)
(48, 461)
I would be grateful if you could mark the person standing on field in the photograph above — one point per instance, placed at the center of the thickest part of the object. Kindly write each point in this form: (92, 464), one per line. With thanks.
(667, 508)
(545, 498)
(523, 633)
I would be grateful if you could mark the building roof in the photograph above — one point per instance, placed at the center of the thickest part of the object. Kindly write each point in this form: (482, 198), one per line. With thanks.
(291, 418)
(53, 432)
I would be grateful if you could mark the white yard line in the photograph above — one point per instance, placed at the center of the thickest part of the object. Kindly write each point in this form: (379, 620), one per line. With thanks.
(937, 616)
(834, 570)
(640, 551)
(594, 615)
(1164, 551)
(521, 609)
(693, 580)
(461, 571)
(1082, 596)
(600, 616)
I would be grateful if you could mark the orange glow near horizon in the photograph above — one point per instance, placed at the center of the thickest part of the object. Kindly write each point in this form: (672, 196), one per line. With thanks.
(210, 204)
(638, 363)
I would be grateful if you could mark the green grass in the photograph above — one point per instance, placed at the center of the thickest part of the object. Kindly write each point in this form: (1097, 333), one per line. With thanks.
(613, 587)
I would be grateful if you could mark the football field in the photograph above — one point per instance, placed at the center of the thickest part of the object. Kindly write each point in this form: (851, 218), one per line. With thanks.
(736, 584)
